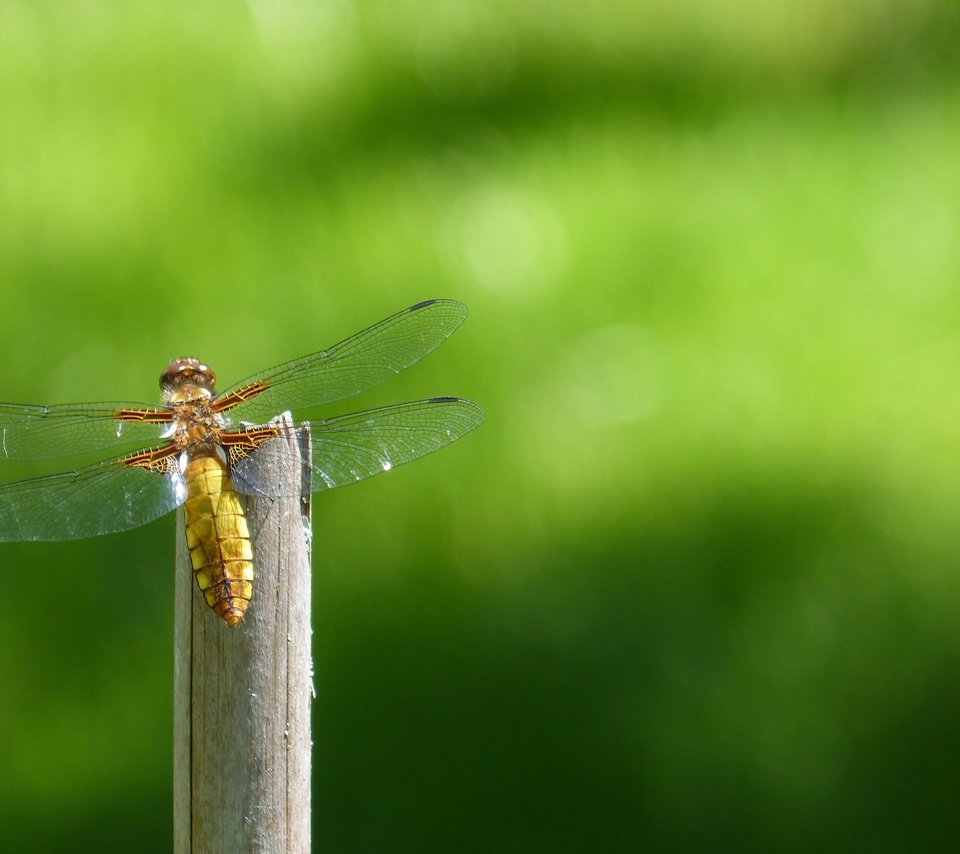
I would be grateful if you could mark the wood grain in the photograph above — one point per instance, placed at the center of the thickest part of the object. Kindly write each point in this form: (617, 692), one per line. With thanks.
(242, 696)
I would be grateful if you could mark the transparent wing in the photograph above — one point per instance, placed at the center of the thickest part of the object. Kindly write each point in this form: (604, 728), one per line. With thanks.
(100, 499)
(357, 446)
(350, 367)
(41, 432)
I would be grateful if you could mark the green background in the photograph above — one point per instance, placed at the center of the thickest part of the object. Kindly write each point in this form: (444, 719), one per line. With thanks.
(695, 584)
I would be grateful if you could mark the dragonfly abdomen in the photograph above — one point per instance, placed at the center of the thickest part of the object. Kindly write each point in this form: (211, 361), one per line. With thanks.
(218, 538)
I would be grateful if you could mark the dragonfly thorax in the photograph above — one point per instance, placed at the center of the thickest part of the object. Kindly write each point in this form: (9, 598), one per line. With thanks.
(195, 424)
(188, 389)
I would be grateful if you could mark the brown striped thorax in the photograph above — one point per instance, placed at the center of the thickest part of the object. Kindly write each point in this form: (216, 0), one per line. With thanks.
(202, 451)
(188, 388)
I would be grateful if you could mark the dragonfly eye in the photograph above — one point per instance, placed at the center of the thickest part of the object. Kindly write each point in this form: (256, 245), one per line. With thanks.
(191, 371)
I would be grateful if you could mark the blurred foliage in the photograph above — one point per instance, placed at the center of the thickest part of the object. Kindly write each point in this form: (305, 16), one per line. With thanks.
(694, 585)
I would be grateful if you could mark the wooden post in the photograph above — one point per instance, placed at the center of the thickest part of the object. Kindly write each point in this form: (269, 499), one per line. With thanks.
(241, 761)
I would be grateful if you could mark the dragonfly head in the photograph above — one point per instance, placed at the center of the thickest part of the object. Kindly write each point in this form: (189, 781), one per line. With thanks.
(186, 379)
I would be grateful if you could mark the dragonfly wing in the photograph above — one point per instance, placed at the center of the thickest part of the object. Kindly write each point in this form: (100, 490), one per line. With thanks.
(354, 447)
(359, 363)
(99, 499)
(41, 432)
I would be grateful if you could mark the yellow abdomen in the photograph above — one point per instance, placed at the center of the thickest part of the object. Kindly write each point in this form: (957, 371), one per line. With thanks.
(218, 538)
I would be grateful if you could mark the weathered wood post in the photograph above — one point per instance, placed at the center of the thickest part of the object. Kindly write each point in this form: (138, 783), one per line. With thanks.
(242, 696)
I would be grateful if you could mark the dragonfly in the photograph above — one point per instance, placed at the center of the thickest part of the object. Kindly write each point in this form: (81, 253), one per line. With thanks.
(200, 449)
